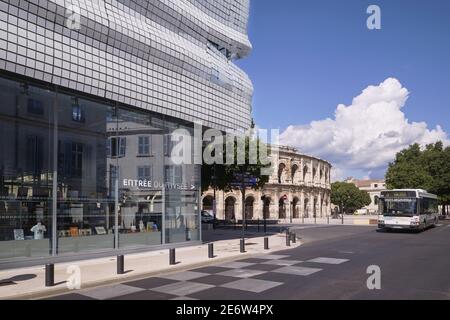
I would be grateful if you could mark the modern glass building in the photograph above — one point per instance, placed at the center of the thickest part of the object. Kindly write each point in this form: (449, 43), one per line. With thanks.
(91, 92)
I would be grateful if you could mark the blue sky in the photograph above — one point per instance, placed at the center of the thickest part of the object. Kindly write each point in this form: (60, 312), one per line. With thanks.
(309, 56)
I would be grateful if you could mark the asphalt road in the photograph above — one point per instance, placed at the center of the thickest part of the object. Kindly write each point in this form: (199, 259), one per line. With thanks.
(332, 264)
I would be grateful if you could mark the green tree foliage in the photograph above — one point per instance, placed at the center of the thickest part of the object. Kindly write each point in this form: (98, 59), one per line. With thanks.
(222, 175)
(427, 168)
(348, 197)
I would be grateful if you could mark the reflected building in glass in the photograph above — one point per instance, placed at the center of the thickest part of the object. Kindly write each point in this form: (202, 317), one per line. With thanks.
(88, 114)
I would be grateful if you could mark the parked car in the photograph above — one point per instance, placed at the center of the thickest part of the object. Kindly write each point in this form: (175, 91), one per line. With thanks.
(207, 217)
(361, 212)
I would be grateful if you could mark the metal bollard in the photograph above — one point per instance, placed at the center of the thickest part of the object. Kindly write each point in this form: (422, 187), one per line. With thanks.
(288, 239)
(328, 219)
(120, 264)
(266, 243)
(172, 257)
(49, 275)
(211, 250)
(242, 246)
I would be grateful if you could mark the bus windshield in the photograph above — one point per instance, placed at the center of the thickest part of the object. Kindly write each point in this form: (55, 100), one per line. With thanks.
(399, 207)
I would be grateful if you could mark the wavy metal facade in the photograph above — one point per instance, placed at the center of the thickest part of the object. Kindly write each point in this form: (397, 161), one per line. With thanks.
(173, 57)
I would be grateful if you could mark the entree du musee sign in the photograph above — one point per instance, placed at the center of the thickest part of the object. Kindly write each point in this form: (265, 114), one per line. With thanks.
(149, 184)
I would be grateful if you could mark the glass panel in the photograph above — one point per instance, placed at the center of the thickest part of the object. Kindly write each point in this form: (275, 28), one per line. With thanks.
(140, 188)
(96, 146)
(182, 192)
(86, 206)
(399, 207)
(26, 170)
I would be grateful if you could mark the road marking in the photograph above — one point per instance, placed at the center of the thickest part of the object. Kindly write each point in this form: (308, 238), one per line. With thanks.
(328, 260)
(297, 271)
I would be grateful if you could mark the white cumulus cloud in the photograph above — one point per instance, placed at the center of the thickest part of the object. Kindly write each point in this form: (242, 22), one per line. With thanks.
(366, 135)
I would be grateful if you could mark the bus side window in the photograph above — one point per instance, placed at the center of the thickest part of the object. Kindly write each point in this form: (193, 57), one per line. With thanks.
(424, 206)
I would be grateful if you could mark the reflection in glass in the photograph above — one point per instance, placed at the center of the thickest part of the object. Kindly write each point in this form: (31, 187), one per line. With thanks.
(96, 146)
(26, 167)
(85, 201)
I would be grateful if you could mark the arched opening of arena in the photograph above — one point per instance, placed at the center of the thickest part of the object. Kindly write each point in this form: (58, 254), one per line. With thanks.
(294, 172)
(230, 204)
(281, 208)
(306, 208)
(281, 169)
(305, 172)
(266, 208)
(249, 203)
(295, 210)
(207, 204)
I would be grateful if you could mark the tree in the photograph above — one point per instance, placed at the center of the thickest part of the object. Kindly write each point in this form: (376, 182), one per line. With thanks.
(348, 197)
(221, 175)
(427, 168)
(408, 170)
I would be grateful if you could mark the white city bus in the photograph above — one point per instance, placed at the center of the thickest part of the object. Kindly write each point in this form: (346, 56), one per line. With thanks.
(413, 209)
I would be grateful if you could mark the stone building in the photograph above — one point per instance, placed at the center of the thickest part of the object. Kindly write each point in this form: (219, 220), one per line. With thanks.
(373, 187)
(299, 188)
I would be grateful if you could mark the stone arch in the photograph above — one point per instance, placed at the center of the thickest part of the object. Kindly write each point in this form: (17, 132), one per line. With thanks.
(266, 208)
(305, 172)
(230, 208)
(294, 171)
(280, 174)
(281, 208)
(207, 203)
(306, 208)
(249, 207)
(295, 209)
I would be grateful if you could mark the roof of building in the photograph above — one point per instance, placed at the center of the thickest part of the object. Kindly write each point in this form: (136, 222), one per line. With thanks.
(365, 183)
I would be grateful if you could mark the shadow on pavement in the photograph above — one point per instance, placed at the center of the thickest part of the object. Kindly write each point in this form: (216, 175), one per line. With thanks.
(230, 232)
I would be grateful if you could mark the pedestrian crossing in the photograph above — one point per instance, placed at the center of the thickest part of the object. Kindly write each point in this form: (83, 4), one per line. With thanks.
(243, 276)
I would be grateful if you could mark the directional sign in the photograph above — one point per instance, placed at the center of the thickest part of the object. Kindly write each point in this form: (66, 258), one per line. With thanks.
(243, 180)
(245, 184)
(242, 185)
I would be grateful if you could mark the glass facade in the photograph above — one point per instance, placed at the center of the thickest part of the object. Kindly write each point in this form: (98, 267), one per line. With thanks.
(82, 176)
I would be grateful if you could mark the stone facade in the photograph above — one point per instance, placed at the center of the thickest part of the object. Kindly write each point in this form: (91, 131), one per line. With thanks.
(373, 187)
(303, 180)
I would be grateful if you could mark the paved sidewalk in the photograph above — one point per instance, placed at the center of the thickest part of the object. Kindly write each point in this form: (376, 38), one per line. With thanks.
(348, 221)
(29, 283)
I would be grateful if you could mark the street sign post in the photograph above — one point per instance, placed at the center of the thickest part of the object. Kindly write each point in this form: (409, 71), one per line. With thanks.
(243, 181)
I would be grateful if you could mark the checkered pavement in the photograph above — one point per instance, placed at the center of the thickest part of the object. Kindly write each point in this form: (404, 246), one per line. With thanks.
(252, 276)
